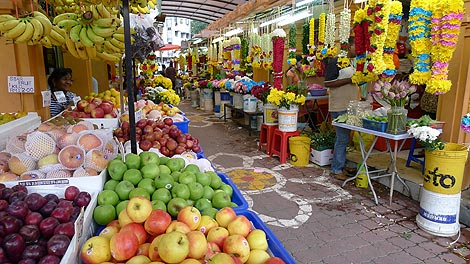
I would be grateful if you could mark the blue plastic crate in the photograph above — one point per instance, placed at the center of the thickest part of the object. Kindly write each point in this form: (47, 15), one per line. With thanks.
(374, 125)
(183, 126)
(274, 245)
(237, 196)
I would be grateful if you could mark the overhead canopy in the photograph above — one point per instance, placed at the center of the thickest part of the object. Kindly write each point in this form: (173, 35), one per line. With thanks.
(203, 10)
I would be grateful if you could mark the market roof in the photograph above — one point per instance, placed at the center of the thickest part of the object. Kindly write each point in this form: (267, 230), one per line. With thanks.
(202, 10)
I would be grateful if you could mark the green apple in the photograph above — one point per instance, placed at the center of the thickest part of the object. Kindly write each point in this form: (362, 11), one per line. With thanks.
(227, 189)
(123, 189)
(181, 163)
(162, 194)
(232, 204)
(216, 181)
(180, 191)
(175, 205)
(174, 164)
(116, 169)
(164, 181)
(208, 192)
(176, 175)
(149, 157)
(139, 191)
(192, 168)
(150, 171)
(132, 161)
(220, 199)
(210, 211)
(202, 204)
(157, 204)
(108, 197)
(121, 206)
(133, 175)
(103, 214)
(164, 160)
(118, 157)
(190, 202)
(110, 184)
(164, 169)
(148, 185)
(203, 178)
(187, 177)
(196, 191)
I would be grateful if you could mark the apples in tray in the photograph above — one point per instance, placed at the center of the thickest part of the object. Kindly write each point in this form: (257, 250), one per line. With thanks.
(93, 108)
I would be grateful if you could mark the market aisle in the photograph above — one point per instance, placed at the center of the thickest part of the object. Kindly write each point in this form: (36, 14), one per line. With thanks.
(315, 219)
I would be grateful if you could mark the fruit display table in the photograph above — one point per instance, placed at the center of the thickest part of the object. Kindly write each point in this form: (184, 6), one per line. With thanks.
(238, 116)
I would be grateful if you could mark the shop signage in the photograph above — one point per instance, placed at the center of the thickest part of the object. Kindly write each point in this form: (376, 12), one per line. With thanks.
(21, 84)
(46, 98)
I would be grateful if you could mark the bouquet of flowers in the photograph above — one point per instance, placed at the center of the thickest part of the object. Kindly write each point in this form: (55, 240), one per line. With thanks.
(284, 99)
(261, 92)
(427, 136)
(465, 125)
(203, 84)
(161, 81)
(160, 94)
(395, 93)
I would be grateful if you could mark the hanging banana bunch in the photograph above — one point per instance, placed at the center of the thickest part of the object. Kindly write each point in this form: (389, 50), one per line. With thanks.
(30, 29)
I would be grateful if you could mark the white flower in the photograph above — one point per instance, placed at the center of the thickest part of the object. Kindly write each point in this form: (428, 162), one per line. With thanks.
(278, 32)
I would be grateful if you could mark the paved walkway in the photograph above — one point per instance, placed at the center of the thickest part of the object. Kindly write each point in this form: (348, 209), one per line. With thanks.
(316, 220)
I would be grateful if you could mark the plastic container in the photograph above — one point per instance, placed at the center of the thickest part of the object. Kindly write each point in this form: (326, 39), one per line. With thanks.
(275, 247)
(374, 125)
(183, 125)
(287, 119)
(103, 123)
(237, 196)
(318, 92)
(299, 148)
(18, 126)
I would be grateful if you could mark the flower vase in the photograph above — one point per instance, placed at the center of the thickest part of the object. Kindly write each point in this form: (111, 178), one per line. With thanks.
(396, 120)
(302, 87)
(287, 118)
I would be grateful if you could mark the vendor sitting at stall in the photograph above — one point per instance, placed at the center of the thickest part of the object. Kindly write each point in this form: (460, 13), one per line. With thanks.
(60, 80)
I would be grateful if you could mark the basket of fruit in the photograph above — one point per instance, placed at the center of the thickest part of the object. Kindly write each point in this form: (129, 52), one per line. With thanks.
(376, 123)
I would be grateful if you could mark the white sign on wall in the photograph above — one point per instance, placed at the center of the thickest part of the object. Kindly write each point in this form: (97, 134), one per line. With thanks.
(21, 84)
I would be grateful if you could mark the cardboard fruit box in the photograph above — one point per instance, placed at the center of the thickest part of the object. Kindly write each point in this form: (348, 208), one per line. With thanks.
(321, 158)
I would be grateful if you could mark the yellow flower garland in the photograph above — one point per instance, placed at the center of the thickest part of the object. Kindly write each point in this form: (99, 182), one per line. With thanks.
(377, 40)
(391, 40)
(311, 36)
(321, 36)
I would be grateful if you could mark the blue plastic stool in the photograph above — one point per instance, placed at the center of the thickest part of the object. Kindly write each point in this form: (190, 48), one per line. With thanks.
(415, 158)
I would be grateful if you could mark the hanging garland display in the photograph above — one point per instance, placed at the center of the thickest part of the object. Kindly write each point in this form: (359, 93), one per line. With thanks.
(278, 36)
(311, 37)
(344, 28)
(227, 54)
(220, 54)
(244, 50)
(266, 56)
(190, 60)
(360, 29)
(330, 35)
(292, 45)
(377, 40)
(255, 50)
(305, 38)
(321, 51)
(394, 23)
(419, 31)
(446, 21)
(182, 62)
(236, 54)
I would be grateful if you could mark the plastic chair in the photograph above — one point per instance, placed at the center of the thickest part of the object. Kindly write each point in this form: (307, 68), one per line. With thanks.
(413, 157)
(265, 137)
(280, 144)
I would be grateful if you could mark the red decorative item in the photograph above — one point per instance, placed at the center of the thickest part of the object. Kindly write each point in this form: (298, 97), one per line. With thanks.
(278, 56)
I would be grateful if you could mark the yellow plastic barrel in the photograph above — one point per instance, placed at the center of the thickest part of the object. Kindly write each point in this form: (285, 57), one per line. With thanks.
(299, 148)
(444, 169)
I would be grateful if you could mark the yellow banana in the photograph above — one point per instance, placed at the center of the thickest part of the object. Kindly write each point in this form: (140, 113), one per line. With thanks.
(110, 47)
(7, 25)
(67, 24)
(104, 13)
(117, 43)
(93, 37)
(46, 23)
(91, 52)
(103, 32)
(107, 57)
(54, 41)
(84, 38)
(119, 36)
(99, 47)
(96, 14)
(38, 30)
(27, 34)
(153, 2)
(142, 3)
(120, 30)
(70, 45)
(133, 10)
(151, 5)
(61, 31)
(46, 42)
(16, 31)
(105, 22)
(144, 10)
(56, 36)
(65, 16)
(81, 50)
(75, 33)
(6, 17)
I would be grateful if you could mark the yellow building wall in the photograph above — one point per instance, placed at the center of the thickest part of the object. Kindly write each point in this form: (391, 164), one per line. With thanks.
(100, 72)
(81, 74)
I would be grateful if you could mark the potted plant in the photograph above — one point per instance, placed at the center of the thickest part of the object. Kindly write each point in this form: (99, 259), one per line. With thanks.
(322, 144)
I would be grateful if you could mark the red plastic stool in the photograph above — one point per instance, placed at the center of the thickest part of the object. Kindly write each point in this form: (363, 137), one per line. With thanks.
(280, 144)
(265, 137)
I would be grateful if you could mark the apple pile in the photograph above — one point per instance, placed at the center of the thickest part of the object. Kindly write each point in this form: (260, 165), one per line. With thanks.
(167, 182)
(36, 228)
(142, 234)
(112, 95)
(162, 135)
(151, 110)
(93, 108)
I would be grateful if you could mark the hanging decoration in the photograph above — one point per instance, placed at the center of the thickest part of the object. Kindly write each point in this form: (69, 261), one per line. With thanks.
(278, 36)
(190, 60)
(227, 55)
(255, 49)
(244, 50)
(220, 55)
(446, 21)
(311, 37)
(305, 38)
(321, 52)
(394, 23)
(292, 45)
(236, 54)
(360, 28)
(381, 12)
(419, 32)
(330, 34)
(182, 61)
(266, 56)
(344, 29)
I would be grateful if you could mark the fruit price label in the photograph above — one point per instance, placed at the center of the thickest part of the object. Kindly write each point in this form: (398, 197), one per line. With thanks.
(79, 227)
(60, 97)
(138, 115)
(46, 98)
(21, 84)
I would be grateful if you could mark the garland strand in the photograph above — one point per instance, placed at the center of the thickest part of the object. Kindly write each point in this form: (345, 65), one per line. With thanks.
(377, 40)
(394, 23)
(330, 35)
(236, 54)
(446, 23)
(311, 36)
(267, 52)
(305, 38)
(344, 28)
(360, 28)
(278, 37)
(292, 45)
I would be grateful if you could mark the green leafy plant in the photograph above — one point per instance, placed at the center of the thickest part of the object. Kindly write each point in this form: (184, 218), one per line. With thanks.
(324, 139)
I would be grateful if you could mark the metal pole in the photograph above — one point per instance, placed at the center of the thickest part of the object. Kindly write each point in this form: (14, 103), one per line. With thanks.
(129, 75)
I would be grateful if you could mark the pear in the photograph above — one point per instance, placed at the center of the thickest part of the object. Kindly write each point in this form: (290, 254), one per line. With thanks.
(48, 160)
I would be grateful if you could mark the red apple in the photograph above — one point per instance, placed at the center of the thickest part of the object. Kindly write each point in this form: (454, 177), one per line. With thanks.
(197, 244)
(97, 113)
(190, 216)
(274, 260)
(97, 101)
(237, 245)
(224, 216)
(123, 246)
(107, 108)
(89, 108)
(137, 229)
(239, 226)
(212, 249)
(157, 222)
(81, 105)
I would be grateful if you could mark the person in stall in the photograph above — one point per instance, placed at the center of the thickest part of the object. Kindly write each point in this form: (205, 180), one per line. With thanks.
(60, 82)
(170, 73)
(341, 91)
(291, 73)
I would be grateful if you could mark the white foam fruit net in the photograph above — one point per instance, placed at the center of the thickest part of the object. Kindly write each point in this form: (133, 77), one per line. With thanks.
(39, 144)
(16, 144)
(72, 157)
(59, 174)
(81, 172)
(89, 140)
(21, 162)
(34, 174)
(111, 149)
(67, 140)
(86, 125)
(96, 159)
(51, 167)
(56, 133)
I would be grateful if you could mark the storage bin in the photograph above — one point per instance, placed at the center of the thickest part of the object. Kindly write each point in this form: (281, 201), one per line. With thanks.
(183, 125)
(374, 125)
